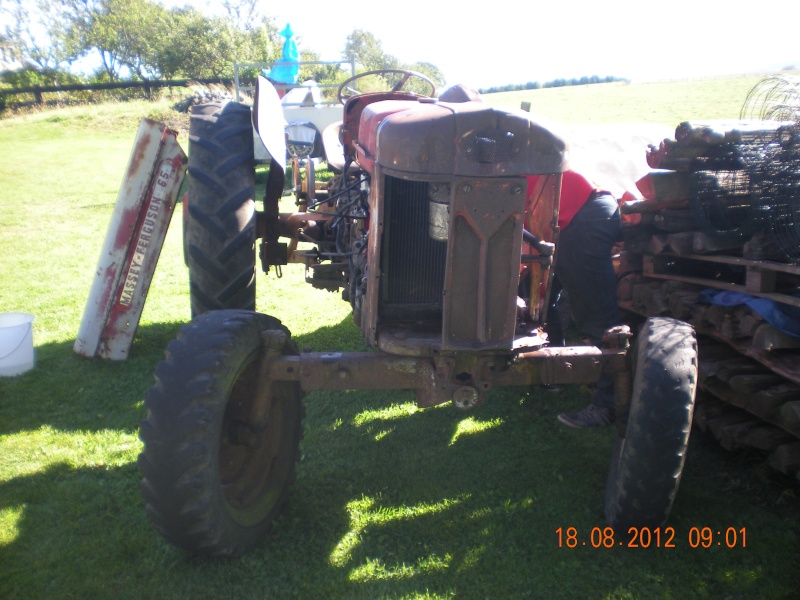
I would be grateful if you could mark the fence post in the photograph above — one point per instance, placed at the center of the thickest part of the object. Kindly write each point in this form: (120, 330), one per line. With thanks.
(236, 80)
(38, 93)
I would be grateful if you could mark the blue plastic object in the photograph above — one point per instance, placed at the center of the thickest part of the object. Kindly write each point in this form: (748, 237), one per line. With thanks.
(781, 316)
(286, 69)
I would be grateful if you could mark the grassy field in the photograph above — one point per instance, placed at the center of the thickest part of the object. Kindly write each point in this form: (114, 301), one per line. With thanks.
(661, 102)
(390, 501)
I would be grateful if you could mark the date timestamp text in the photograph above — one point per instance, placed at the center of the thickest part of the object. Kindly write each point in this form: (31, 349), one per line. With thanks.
(652, 537)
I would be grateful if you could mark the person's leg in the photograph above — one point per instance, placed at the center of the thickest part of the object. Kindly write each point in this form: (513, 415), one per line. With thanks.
(554, 328)
(585, 268)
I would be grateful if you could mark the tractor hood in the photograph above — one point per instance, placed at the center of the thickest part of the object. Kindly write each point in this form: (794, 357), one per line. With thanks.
(466, 139)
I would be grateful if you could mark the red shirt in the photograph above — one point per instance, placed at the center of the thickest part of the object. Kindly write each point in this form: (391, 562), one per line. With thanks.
(575, 191)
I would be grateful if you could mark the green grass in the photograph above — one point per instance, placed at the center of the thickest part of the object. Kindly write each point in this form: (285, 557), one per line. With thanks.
(390, 501)
(664, 103)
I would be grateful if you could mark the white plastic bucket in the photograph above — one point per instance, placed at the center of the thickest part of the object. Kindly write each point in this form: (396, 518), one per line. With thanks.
(16, 343)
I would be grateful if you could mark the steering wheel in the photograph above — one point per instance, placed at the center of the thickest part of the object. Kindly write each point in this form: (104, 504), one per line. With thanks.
(348, 89)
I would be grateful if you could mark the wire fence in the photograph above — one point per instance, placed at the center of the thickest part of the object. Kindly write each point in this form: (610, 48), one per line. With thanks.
(38, 94)
(242, 84)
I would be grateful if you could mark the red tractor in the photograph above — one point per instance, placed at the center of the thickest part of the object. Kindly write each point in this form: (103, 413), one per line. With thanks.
(426, 230)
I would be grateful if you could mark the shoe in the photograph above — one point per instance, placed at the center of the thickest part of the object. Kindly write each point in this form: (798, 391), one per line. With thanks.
(591, 416)
(553, 388)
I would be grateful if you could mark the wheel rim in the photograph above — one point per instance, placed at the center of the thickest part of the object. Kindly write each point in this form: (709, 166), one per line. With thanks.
(249, 452)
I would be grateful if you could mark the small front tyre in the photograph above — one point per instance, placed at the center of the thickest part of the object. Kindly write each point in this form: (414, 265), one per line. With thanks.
(220, 443)
(647, 463)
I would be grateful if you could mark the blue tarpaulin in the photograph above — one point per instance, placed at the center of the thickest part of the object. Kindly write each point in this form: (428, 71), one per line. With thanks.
(781, 316)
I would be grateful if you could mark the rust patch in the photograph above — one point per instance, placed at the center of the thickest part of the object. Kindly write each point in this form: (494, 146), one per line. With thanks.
(138, 154)
(127, 225)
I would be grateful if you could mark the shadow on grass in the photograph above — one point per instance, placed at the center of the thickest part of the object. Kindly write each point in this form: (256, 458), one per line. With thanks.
(69, 392)
(390, 501)
(396, 502)
(70, 525)
(432, 501)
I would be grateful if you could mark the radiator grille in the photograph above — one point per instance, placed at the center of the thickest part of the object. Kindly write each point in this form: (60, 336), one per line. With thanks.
(413, 264)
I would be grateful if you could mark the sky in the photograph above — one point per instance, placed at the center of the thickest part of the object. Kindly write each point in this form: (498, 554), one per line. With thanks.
(510, 42)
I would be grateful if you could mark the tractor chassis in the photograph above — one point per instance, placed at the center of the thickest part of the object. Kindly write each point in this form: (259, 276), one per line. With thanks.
(463, 378)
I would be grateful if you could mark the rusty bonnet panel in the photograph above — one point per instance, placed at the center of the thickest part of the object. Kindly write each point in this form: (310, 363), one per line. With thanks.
(469, 139)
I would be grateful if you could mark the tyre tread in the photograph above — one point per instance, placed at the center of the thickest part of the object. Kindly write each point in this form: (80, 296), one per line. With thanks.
(180, 433)
(221, 211)
(647, 463)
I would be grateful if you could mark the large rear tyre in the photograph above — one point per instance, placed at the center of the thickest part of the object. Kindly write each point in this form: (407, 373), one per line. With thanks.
(217, 461)
(220, 229)
(647, 462)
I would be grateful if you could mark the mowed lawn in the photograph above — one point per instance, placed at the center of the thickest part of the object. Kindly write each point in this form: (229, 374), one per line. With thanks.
(390, 501)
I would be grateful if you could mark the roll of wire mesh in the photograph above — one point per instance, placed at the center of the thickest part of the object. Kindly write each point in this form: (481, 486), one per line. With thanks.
(775, 98)
(775, 176)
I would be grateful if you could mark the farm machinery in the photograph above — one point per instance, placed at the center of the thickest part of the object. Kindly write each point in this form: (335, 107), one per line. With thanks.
(444, 251)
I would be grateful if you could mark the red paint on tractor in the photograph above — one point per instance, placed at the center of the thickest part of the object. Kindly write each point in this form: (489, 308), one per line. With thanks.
(133, 243)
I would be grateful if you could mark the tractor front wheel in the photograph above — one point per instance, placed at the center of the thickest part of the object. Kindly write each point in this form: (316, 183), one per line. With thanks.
(220, 442)
(647, 462)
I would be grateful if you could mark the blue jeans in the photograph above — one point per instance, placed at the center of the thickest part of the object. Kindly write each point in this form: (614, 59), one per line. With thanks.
(584, 268)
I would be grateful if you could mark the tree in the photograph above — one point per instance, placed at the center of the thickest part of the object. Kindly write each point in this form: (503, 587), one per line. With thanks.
(431, 71)
(128, 35)
(364, 49)
(203, 47)
(197, 47)
(260, 43)
(331, 72)
(243, 14)
(38, 30)
(143, 39)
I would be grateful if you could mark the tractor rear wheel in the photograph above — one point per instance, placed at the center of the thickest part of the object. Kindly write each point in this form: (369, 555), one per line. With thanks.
(220, 230)
(220, 441)
(647, 463)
